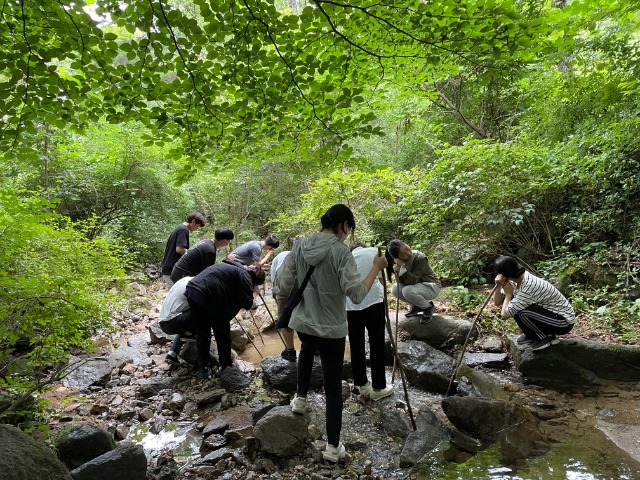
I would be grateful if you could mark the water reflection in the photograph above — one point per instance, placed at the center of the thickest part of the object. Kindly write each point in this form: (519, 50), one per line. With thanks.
(179, 437)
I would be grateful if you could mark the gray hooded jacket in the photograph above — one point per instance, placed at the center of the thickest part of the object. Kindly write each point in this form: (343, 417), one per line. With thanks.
(322, 310)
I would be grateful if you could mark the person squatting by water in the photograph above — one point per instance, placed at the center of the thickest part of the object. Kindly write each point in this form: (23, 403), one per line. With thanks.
(417, 284)
(539, 309)
(370, 315)
(214, 296)
(320, 319)
(178, 243)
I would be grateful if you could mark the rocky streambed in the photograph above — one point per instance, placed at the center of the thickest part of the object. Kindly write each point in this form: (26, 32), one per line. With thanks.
(501, 422)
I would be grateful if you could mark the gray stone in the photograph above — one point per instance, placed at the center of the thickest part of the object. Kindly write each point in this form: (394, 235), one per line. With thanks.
(232, 379)
(478, 384)
(281, 432)
(282, 374)
(157, 336)
(486, 360)
(83, 374)
(425, 366)
(239, 339)
(83, 442)
(216, 425)
(149, 387)
(23, 458)
(429, 433)
(125, 462)
(442, 331)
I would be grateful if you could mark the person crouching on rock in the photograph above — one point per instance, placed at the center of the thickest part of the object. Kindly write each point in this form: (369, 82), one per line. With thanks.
(539, 309)
(215, 297)
(417, 284)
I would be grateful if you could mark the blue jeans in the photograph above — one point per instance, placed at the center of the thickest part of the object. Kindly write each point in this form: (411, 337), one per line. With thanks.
(332, 357)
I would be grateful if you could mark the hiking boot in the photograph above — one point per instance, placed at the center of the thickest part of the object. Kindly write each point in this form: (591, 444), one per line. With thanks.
(544, 343)
(289, 354)
(172, 358)
(299, 404)
(427, 313)
(376, 395)
(413, 311)
(524, 340)
(333, 454)
(365, 389)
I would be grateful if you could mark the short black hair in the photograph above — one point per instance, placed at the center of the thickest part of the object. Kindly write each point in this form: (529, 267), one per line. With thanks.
(257, 275)
(336, 216)
(394, 247)
(272, 241)
(223, 233)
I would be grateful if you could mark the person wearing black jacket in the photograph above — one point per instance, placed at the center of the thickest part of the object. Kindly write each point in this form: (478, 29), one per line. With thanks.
(202, 255)
(215, 297)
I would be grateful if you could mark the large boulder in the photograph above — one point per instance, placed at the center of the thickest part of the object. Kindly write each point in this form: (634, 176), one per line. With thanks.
(442, 331)
(125, 462)
(281, 432)
(23, 458)
(84, 373)
(576, 361)
(83, 442)
(425, 366)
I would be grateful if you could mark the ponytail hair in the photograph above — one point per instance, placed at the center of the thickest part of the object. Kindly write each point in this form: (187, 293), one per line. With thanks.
(336, 216)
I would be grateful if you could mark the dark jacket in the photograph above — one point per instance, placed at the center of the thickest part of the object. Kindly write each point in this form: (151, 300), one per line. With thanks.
(223, 289)
(197, 258)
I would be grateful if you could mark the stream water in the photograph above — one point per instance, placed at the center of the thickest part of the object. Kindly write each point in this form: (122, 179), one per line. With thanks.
(585, 453)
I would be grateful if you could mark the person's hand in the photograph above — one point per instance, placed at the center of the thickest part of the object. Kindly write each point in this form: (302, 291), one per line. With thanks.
(508, 288)
(380, 262)
(501, 280)
(232, 257)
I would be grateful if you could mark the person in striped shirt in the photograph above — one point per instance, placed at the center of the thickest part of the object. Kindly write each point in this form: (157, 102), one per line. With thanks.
(539, 309)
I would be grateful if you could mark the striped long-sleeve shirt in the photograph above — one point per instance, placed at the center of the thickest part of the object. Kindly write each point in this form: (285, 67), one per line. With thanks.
(534, 290)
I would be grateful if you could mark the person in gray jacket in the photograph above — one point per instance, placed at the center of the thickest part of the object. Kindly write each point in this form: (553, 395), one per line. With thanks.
(321, 318)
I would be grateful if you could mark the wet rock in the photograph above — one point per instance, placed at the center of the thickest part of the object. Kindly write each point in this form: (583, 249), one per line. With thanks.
(394, 421)
(281, 432)
(139, 340)
(491, 344)
(223, 453)
(577, 361)
(208, 396)
(429, 433)
(125, 462)
(485, 419)
(157, 424)
(24, 458)
(239, 339)
(145, 414)
(217, 425)
(149, 387)
(213, 442)
(425, 366)
(83, 374)
(121, 432)
(232, 379)
(177, 402)
(282, 374)
(82, 443)
(472, 382)
(486, 360)
(259, 409)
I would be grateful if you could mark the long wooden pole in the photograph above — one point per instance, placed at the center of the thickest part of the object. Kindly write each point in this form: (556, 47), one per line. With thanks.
(464, 347)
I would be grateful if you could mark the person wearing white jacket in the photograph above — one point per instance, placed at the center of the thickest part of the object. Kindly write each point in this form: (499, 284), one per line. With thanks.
(320, 319)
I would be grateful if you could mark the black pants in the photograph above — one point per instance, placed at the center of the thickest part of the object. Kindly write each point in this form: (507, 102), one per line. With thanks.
(538, 322)
(332, 357)
(204, 321)
(176, 326)
(371, 319)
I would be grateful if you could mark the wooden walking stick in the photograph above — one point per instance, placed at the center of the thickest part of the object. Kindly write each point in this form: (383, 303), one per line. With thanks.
(464, 347)
(393, 371)
(248, 336)
(272, 319)
(394, 349)
(253, 320)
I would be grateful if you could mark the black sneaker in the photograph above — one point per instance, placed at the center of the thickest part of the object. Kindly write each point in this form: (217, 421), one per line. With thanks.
(524, 340)
(289, 354)
(413, 311)
(544, 343)
(427, 313)
(172, 358)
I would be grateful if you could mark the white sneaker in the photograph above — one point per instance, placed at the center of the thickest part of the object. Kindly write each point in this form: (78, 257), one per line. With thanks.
(333, 454)
(380, 394)
(365, 389)
(299, 404)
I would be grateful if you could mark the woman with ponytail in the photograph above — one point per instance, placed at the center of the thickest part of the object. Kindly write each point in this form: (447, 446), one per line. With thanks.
(320, 318)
